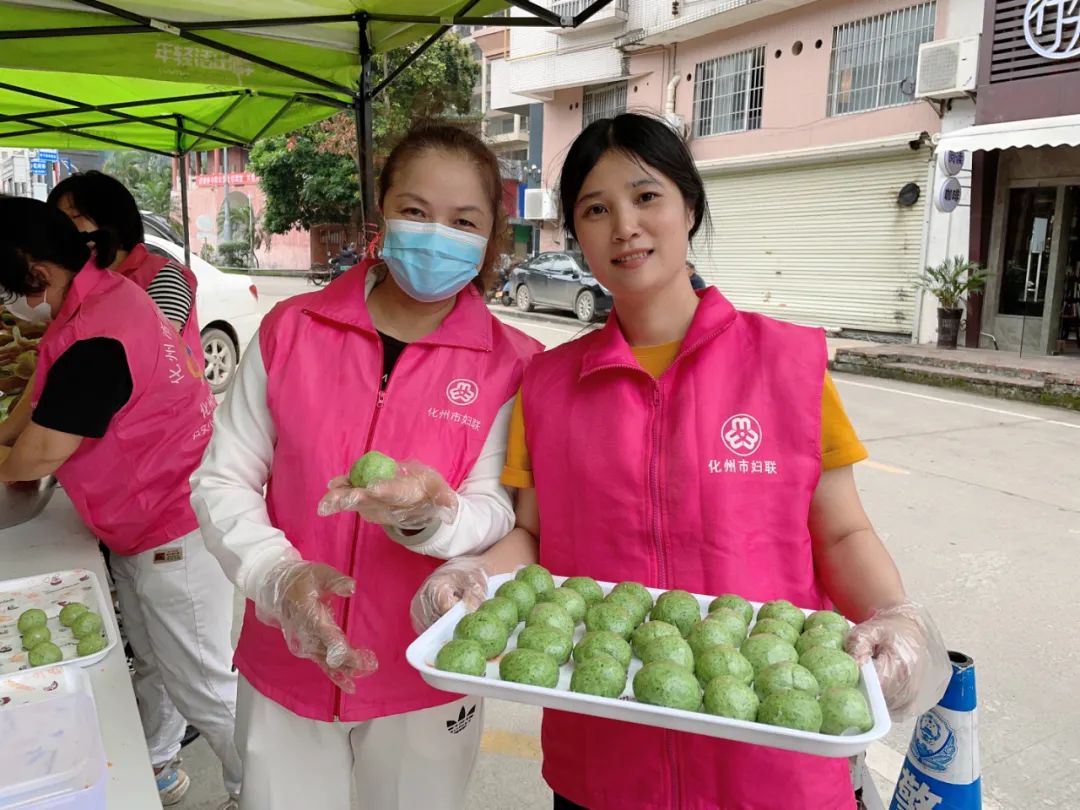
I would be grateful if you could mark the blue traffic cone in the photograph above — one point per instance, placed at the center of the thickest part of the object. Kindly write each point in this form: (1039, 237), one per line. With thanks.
(941, 771)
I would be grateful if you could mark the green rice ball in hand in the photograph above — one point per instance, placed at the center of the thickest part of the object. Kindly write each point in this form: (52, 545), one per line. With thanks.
(790, 708)
(29, 619)
(844, 710)
(69, 613)
(588, 587)
(726, 696)
(567, 598)
(463, 656)
(736, 604)
(529, 667)
(600, 675)
(603, 642)
(371, 467)
(537, 577)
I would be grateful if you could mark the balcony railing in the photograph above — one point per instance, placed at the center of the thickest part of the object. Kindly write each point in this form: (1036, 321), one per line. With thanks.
(615, 12)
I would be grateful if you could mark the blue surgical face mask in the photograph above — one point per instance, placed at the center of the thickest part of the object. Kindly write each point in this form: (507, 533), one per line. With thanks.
(429, 261)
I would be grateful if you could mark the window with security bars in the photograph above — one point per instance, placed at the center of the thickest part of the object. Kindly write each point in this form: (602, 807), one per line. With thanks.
(874, 60)
(603, 101)
(728, 93)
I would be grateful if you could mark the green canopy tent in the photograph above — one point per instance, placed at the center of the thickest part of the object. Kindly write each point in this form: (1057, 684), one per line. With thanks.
(175, 76)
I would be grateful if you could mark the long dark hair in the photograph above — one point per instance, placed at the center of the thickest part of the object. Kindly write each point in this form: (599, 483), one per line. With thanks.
(108, 202)
(643, 138)
(30, 232)
(432, 136)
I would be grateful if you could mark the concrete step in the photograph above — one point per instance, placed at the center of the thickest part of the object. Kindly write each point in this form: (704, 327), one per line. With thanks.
(959, 364)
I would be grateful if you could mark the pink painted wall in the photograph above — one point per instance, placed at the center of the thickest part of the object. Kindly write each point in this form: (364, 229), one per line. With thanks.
(562, 123)
(794, 106)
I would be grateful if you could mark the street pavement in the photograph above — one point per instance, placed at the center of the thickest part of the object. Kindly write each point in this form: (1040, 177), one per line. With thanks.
(977, 500)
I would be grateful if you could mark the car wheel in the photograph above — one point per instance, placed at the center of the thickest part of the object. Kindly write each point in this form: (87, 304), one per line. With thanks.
(221, 359)
(524, 298)
(505, 299)
(585, 306)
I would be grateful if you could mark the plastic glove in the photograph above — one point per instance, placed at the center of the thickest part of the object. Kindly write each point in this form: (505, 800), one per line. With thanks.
(296, 596)
(909, 655)
(414, 499)
(457, 580)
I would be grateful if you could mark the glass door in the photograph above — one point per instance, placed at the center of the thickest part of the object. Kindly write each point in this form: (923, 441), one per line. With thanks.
(1026, 263)
(1069, 324)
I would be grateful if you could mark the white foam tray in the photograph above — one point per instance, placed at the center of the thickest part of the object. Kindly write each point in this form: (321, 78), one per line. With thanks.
(421, 655)
(51, 592)
(42, 683)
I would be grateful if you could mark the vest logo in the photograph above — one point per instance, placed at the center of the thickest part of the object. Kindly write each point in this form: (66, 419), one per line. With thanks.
(933, 745)
(462, 392)
(741, 434)
(462, 722)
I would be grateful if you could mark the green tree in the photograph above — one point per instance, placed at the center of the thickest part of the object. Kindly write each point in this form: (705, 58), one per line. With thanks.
(148, 177)
(310, 177)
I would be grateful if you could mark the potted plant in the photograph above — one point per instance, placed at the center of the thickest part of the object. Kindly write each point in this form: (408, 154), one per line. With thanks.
(950, 282)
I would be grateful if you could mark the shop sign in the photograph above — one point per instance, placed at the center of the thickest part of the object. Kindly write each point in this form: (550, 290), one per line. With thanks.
(1052, 28)
(948, 195)
(235, 179)
(951, 162)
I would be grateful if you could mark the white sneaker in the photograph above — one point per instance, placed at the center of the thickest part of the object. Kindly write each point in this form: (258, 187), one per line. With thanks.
(232, 803)
(172, 784)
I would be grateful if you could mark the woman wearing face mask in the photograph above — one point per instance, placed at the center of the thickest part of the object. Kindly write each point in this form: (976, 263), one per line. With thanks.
(121, 414)
(398, 355)
(758, 499)
(100, 204)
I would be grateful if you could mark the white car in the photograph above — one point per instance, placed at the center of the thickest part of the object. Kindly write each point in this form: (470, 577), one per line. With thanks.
(228, 309)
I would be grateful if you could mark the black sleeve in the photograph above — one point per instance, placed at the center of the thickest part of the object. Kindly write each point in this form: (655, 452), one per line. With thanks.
(85, 388)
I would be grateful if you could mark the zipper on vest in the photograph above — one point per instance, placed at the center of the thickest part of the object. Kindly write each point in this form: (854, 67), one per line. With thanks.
(380, 400)
(654, 489)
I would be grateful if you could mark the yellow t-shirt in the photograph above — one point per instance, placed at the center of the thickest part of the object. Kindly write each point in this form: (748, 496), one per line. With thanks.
(839, 444)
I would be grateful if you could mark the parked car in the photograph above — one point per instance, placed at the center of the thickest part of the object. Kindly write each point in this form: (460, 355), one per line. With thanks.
(228, 307)
(562, 281)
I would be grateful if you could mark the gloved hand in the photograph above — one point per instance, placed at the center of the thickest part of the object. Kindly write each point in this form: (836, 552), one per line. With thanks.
(296, 596)
(459, 579)
(417, 497)
(909, 655)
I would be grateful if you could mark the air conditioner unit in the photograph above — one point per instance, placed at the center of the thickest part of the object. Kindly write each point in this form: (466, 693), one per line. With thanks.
(540, 204)
(947, 68)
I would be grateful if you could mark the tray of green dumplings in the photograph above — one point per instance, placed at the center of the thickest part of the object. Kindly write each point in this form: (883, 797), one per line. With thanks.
(54, 619)
(768, 674)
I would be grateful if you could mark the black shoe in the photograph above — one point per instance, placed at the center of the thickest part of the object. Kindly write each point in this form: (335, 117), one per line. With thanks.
(191, 734)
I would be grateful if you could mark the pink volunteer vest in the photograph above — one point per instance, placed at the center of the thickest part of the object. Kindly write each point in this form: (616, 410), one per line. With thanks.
(700, 480)
(141, 266)
(324, 363)
(131, 486)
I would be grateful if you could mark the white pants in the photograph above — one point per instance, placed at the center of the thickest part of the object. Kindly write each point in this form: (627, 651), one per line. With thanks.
(177, 606)
(416, 761)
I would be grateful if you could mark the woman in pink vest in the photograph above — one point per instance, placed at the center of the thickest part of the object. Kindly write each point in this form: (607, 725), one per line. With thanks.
(398, 355)
(121, 414)
(98, 203)
(702, 427)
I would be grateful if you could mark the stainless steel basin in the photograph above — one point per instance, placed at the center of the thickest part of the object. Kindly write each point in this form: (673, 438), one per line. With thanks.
(24, 500)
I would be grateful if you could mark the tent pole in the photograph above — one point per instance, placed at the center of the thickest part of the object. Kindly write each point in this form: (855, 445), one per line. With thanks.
(182, 158)
(364, 136)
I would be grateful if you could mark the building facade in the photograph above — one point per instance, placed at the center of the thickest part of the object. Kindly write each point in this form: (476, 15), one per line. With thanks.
(803, 119)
